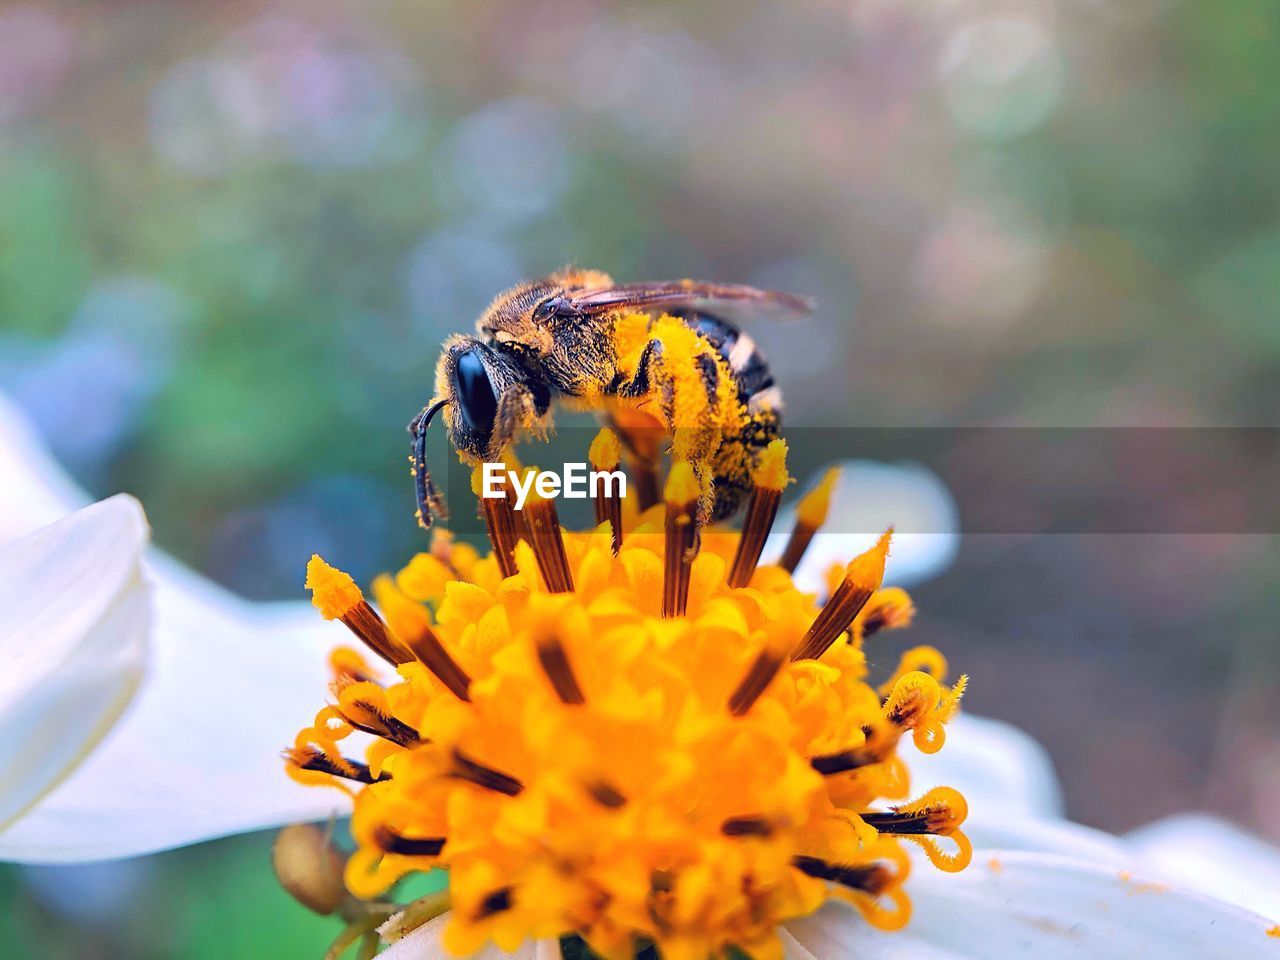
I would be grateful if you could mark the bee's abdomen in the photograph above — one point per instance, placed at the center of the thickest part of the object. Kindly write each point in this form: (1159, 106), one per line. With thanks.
(751, 373)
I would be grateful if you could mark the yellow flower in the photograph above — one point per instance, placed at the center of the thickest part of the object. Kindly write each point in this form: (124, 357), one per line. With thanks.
(665, 744)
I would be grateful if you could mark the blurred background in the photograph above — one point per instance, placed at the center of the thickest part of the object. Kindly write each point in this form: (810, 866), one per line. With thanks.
(233, 235)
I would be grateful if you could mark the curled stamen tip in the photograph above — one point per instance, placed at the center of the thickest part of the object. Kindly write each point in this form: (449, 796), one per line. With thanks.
(771, 469)
(682, 485)
(605, 450)
(333, 592)
(813, 508)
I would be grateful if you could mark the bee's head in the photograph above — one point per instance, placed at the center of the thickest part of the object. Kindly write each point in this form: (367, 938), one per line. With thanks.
(486, 398)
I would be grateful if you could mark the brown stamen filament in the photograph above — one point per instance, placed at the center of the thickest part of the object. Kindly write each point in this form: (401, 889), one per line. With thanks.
(811, 514)
(548, 543)
(746, 827)
(496, 902)
(862, 579)
(426, 646)
(366, 717)
(391, 842)
(870, 878)
(755, 530)
(604, 458)
(770, 477)
(464, 768)
(346, 768)
(797, 544)
(905, 822)
(555, 664)
(830, 764)
(682, 494)
(364, 622)
(501, 523)
(606, 794)
(761, 673)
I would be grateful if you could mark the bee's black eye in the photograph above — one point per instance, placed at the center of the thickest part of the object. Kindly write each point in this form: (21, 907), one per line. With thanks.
(475, 395)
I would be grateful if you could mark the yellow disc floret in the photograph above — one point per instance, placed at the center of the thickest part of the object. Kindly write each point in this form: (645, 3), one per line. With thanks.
(585, 765)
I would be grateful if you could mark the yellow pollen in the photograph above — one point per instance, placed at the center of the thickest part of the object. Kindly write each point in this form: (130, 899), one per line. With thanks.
(816, 504)
(605, 451)
(682, 485)
(333, 592)
(615, 742)
(771, 470)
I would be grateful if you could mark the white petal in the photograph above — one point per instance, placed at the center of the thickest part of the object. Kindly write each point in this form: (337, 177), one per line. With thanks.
(34, 490)
(868, 498)
(1001, 771)
(199, 755)
(424, 944)
(73, 641)
(1210, 855)
(996, 832)
(1046, 907)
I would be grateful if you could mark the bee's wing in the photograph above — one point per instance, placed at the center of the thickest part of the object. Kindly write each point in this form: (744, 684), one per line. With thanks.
(730, 301)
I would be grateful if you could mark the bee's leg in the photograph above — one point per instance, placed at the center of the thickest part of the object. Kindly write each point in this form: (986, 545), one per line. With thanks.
(517, 414)
(648, 371)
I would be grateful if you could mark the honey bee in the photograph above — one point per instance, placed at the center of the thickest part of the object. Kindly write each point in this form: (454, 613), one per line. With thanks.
(647, 356)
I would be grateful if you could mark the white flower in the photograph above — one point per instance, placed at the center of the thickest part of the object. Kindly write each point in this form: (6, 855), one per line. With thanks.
(229, 682)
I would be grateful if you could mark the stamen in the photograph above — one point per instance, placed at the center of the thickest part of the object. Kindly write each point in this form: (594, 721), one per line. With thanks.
(888, 609)
(861, 579)
(496, 902)
(682, 494)
(604, 456)
(759, 675)
(368, 718)
(309, 758)
(500, 521)
(412, 626)
(548, 543)
(464, 768)
(811, 514)
(940, 812)
(337, 597)
(555, 664)
(391, 842)
(869, 878)
(606, 794)
(770, 478)
(829, 764)
(746, 827)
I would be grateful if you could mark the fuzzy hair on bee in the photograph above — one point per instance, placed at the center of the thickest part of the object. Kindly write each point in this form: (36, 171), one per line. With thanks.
(662, 357)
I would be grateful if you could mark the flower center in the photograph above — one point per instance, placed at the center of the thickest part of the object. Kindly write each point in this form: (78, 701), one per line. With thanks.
(636, 734)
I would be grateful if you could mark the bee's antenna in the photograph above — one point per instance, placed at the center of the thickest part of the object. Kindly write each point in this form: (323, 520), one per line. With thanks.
(429, 500)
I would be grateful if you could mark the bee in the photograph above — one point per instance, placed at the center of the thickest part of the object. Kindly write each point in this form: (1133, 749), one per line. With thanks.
(650, 357)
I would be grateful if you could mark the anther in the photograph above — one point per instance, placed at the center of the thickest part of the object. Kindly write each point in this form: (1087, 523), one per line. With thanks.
(389, 841)
(604, 455)
(746, 827)
(682, 494)
(309, 758)
(555, 664)
(759, 675)
(861, 579)
(337, 597)
(412, 626)
(496, 902)
(547, 541)
(829, 764)
(811, 514)
(464, 768)
(938, 812)
(769, 478)
(888, 609)
(500, 521)
(606, 794)
(869, 878)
